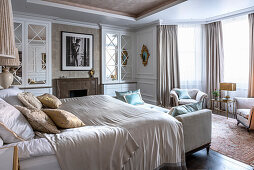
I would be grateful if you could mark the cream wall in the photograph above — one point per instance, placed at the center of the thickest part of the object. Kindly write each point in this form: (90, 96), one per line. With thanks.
(56, 52)
(146, 76)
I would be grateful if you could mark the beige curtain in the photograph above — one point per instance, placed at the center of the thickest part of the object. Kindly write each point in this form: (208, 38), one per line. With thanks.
(213, 43)
(168, 65)
(251, 74)
(7, 44)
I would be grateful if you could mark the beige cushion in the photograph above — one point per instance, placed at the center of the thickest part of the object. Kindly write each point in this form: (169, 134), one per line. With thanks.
(50, 101)
(243, 112)
(187, 101)
(38, 120)
(64, 119)
(13, 125)
(29, 100)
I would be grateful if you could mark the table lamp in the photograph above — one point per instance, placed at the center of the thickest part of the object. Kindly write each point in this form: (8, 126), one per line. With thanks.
(228, 87)
(8, 51)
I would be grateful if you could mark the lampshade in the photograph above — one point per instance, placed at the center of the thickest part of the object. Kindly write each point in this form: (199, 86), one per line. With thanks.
(228, 86)
(10, 61)
(7, 42)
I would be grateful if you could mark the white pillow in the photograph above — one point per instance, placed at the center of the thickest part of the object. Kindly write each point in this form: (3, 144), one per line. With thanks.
(13, 125)
(1, 142)
(10, 95)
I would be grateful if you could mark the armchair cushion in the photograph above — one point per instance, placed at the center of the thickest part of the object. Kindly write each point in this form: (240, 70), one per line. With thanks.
(182, 94)
(186, 101)
(244, 103)
(243, 112)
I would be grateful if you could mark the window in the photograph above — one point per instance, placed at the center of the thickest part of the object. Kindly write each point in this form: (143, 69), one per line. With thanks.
(236, 53)
(190, 56)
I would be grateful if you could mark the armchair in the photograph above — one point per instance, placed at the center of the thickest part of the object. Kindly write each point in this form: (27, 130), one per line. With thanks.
(245, 111)
(195, 94)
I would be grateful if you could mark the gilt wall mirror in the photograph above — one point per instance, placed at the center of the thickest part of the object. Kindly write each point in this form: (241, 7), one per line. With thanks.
(144, 55)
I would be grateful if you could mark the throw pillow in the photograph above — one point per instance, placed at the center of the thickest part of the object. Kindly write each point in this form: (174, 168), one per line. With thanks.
(49, 100)
(182, 94)
(39, 120)
(13, 125)
(29, 100)
(64, 119)
(10, 95)
(179, 110)
(119, 95)
(134, 99)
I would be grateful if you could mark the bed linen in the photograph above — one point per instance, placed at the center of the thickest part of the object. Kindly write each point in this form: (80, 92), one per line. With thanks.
(158, 135)
(93, 147)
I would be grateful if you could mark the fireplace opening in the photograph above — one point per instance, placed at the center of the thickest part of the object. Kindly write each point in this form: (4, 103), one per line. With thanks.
(78, 93)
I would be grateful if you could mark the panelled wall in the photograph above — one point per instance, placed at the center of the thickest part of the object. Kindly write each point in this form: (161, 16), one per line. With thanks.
(146, 76)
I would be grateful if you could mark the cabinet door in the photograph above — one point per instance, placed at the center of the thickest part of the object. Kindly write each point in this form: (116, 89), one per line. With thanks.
(19, 39)
(37, 45)
(126, 59)
(111, 57)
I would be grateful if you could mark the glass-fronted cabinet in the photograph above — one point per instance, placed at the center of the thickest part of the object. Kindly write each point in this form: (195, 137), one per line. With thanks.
(117, 57)
(32, 39)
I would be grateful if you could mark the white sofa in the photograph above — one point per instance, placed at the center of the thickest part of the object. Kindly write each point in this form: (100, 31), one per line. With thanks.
(197, 128)
(195, 94)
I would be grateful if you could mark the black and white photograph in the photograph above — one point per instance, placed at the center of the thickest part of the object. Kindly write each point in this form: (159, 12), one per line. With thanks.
(77, 51)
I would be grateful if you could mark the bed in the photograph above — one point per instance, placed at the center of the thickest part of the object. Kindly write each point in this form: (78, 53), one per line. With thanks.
(149, 138)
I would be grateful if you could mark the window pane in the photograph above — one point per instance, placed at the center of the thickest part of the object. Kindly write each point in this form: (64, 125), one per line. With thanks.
(190, 56)
(236, 52)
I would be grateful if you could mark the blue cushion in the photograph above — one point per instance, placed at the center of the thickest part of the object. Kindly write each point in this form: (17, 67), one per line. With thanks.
(119, 95)
(134, 99)
(136, 91)
(184, 109)
(182, 94)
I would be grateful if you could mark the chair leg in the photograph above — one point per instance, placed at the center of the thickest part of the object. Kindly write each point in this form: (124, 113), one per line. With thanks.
(207, 149)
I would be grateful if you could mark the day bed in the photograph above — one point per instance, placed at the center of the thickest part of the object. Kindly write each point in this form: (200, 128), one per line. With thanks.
(245, 111)
(195, 94)
(197, 128)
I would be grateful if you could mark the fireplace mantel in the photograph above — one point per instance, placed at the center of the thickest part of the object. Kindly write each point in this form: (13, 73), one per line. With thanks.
(65, 85)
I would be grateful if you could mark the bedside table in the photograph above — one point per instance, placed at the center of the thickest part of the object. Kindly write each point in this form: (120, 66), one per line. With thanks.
(9, 158)
(218, 108)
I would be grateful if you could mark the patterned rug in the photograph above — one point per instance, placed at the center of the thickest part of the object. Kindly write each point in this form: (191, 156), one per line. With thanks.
(232, 140)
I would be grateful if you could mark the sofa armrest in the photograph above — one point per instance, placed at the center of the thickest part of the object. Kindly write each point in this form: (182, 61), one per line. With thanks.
(197, 128)
(201, 96)
(175, 97)
(244, 103)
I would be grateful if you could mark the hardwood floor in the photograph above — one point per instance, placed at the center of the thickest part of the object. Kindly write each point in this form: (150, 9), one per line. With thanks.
(213, 161)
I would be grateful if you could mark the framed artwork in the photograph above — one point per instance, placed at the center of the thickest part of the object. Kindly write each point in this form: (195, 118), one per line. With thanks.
(77, 51)
(144, 55)
(124, 57)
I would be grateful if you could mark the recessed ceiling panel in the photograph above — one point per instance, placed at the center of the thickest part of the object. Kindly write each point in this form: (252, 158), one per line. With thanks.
(131, 8)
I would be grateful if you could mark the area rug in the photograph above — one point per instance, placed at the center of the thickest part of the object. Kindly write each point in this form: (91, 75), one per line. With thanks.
(232, 140)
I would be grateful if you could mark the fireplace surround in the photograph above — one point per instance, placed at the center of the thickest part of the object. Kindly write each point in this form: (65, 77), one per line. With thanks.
(76, 87)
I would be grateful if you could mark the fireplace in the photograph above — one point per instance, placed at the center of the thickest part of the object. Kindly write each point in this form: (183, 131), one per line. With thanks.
(77, 93)
(76, 87)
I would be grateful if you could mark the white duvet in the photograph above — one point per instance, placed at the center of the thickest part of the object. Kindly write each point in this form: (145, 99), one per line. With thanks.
(159, 137)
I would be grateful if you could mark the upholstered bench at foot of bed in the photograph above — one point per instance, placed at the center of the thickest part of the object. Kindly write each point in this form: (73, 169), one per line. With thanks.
(197, 128)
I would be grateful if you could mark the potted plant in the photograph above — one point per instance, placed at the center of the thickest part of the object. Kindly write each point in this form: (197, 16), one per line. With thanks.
(216, 94)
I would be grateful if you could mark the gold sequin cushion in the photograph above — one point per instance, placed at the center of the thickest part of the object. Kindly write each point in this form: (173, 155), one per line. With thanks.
(29, 100)
(50, 101)
(39, 120)
(64, 119)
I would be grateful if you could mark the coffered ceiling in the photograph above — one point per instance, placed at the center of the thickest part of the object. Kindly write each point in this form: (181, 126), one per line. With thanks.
(132, 13)
(131, 8)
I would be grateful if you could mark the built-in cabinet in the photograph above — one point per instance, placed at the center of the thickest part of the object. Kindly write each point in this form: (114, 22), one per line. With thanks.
(118, 73)
(33, 40)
